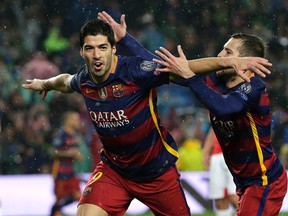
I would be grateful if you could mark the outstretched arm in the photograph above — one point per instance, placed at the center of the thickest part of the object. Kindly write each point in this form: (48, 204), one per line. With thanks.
(58, 83)
(187, 68)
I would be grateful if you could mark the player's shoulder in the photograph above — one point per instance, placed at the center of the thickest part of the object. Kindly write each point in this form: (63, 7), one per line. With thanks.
(256, 84)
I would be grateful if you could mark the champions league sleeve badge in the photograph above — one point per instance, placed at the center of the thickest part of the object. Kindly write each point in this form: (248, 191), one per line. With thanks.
(246, 88)
(148, 66)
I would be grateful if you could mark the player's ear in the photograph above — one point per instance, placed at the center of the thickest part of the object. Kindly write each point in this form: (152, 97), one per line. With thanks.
(81, 53)
(114, 49)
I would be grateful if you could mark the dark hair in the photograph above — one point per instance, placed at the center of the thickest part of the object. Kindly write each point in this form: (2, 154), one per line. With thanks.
(251, 45)
(96, 27)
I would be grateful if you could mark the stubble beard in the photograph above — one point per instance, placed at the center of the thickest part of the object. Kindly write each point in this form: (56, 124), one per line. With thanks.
(227, 75)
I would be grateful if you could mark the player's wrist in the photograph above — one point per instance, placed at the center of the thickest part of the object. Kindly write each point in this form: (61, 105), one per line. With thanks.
(47, 85)
(228, 62)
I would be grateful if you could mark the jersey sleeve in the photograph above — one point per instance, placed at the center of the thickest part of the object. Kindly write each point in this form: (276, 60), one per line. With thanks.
(75, 81)
(133, 47)
(244, 97)
(142, 71)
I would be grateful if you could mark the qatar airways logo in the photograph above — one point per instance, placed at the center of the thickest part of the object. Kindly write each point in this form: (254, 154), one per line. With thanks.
(109, 119)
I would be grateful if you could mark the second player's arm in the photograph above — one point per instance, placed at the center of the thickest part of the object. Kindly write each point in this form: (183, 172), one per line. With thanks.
(187, 68)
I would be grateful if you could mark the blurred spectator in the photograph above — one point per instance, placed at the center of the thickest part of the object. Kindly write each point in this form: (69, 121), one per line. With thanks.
(7, 82)
(11, 150)
(190, 155)
(29, 19)
(55, 41)
(38, 133)
(39, 67)
(149, 35)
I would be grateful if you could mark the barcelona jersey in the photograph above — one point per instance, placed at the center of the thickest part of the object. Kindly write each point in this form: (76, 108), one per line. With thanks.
(124, 113)
(241, 119)
(63, 168)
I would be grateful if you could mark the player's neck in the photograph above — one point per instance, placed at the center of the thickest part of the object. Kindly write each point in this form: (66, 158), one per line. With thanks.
(237, 79)
(234, 82)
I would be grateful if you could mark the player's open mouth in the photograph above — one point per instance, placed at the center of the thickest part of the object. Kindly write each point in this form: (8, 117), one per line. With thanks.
(98, 65)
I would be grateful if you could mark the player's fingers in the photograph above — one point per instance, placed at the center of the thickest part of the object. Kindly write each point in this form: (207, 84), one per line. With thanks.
(244, 76)
(161, 55)
(122, 21)
(162, 70)
(44, 95)
(262, 69)
(102, 17)
(166, 52)
(26, 86)
(263, 61)
(107, 16)
(180, 52)
(158, 61)
(257, 71)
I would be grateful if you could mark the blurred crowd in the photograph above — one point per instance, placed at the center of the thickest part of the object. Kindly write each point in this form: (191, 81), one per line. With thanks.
(39, 39)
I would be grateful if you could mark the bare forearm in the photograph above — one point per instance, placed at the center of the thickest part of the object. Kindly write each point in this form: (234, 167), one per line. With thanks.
(59, 83)
(208, 65)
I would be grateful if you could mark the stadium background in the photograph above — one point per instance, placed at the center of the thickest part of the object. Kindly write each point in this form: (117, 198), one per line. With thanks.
(39, 38)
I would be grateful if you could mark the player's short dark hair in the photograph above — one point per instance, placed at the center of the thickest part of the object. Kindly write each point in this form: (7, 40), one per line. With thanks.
(251, 45)
(96, 27)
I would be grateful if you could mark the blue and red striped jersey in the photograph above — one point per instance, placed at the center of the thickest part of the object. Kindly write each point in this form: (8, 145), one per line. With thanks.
(63, 168)
(241, 119)
(124, 112)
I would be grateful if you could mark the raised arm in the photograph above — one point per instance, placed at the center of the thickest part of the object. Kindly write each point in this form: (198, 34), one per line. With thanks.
(187, 68)
(124, 39)
(58, 83)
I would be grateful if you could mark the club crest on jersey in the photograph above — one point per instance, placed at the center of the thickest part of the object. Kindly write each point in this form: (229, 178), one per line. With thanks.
(103, 93)
(118, 90)
(148, 65)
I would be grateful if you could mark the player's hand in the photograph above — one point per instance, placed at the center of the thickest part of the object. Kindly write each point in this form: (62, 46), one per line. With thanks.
(255, 64)
(36, 85)
(119, 29)
(176, 65)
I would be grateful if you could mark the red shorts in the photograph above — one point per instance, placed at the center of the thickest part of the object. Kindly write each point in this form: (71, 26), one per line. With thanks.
(113, 193)
(64, 188)
(263, 201)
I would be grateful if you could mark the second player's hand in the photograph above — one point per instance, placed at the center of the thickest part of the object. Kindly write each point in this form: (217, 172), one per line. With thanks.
(256, 64)
(176, 65)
